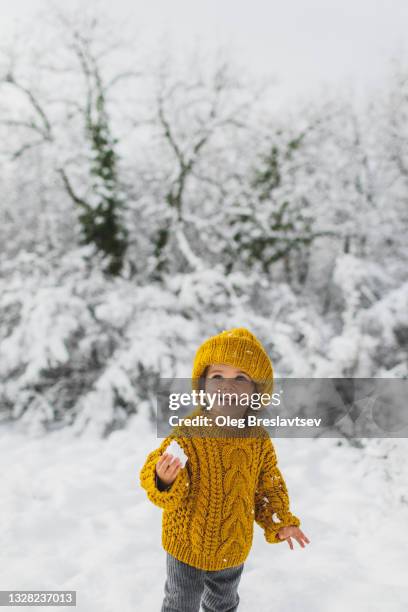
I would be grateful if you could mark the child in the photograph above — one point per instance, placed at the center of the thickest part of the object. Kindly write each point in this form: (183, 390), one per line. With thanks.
(228, 482)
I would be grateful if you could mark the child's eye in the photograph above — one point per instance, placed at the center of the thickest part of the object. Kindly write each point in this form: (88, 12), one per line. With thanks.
(241, 377)
(217, 376)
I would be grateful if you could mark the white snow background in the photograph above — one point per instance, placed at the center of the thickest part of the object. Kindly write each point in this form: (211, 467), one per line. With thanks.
(75, 518)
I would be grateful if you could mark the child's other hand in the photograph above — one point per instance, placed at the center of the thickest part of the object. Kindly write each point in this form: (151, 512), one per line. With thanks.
(166, 469)
(285, 533)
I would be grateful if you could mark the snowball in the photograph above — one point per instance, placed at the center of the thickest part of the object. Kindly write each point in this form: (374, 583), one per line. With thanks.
(175, 449)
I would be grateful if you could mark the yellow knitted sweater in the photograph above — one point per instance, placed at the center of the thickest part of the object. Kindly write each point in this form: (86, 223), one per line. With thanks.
(227, 484)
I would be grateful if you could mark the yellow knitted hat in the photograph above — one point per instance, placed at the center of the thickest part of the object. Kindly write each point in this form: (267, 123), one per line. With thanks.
(239, 348)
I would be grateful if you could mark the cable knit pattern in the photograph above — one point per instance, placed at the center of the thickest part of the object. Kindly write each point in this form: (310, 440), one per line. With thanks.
(227, 484)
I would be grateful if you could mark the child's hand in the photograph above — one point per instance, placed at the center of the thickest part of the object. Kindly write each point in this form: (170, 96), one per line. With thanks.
(285, 533)
(166, 469)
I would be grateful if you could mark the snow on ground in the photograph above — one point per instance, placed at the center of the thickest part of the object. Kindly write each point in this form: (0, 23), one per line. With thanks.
(74, 517)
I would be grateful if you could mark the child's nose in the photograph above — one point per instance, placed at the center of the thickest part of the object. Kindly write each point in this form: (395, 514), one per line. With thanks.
(227, 383)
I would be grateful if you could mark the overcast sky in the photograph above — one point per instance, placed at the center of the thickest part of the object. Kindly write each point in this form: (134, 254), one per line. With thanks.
(302, 43)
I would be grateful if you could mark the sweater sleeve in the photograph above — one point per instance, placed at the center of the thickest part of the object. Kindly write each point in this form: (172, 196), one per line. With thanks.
(272, 498)
(167, 498)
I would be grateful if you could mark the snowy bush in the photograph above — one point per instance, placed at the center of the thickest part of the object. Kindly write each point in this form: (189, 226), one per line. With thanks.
(373, 319)
(88, 350)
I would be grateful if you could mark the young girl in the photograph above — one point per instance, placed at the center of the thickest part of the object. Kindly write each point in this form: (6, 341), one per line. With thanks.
(229, 481)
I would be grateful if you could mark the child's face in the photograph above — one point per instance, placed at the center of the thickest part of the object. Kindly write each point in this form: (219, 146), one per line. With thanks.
(228, 379)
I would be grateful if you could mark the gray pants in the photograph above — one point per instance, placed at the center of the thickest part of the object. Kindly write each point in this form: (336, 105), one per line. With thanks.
(186, 586)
